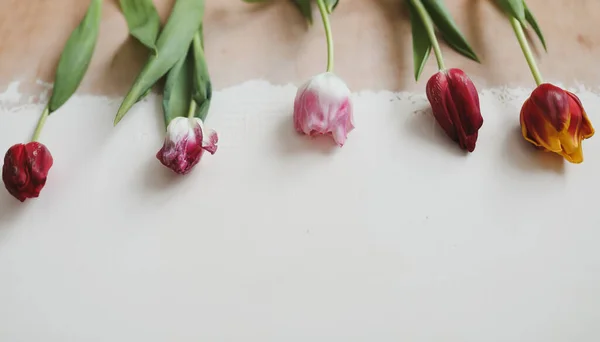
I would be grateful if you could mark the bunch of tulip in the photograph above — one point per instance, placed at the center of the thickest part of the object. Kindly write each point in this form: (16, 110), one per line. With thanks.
(176, 52)
(552, 119)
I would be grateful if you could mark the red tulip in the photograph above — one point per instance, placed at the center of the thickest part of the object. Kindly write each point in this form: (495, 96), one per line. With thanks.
(554, 120)
(455, 104)
(25, 169)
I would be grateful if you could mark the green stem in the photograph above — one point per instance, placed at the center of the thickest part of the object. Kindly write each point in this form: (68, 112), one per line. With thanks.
(526, 50)
(192, 111)
(430, 32)
(327, 26)
(40, 124)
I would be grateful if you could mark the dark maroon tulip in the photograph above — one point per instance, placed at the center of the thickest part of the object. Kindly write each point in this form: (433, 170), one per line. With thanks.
(25, 169)
(455, 104)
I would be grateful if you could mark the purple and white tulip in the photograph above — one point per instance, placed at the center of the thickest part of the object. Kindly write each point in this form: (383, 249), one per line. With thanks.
(185, 143)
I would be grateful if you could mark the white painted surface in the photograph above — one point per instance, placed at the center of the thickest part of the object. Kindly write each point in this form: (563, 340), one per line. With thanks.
(397, 236)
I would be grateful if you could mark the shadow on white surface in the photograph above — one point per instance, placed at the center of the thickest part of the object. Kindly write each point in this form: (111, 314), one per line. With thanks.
(398, 236)
(10, 207)
(523, 156)
(292, 143)
(421, 125)
(157, 177)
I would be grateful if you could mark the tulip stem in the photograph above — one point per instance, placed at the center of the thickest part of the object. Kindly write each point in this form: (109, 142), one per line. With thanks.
(328, 35)
(518, 28)
(192, 111)
(40, 124)
(428, 23)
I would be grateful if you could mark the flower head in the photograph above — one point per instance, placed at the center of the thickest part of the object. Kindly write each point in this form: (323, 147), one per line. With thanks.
(25, 169)
(185, 142)
(554, 120)
(455, 105)
(323, 107)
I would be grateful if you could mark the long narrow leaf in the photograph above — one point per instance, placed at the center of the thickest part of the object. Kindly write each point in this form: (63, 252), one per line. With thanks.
(143, 21)
(514, 8)
(76, 56)
(305, 8)
(177, 94)
(421, 42)
(448, 28)
(201, 85)
(531, 20)
(331, 5)
(172, 44)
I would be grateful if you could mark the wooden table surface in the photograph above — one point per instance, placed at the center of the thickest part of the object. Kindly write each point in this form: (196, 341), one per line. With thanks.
(271, 41)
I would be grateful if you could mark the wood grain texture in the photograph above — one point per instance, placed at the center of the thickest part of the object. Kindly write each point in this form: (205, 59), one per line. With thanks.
(372, 41)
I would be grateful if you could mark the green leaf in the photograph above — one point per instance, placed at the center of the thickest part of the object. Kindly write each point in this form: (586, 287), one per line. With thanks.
(202, 110)
(448, 28)
(177, 94)
(76, 56)
(421, 42)
(201, 85)
(305, 8)
(143, 21)
(514, 8)
(331, 4)
(172, 44)
(531, 20)
(146, 93)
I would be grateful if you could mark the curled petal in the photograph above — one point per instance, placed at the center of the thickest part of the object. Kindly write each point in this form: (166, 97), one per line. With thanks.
(209, 141)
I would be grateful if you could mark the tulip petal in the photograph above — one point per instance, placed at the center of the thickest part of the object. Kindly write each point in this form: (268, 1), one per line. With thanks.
(579, 128)
(209, 141)
(580, 123)
(40, 159)
(539, 131)
(553, 104)
(466, 99)
(524, 131)
(574, 155)
(586, 129)
(14, 179)
(437, 96)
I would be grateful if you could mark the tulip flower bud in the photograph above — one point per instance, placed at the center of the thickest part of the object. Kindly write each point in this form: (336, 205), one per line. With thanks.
(25, 169)
(185, 142)
(455, 105)
(323, 107)
(554, 120)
